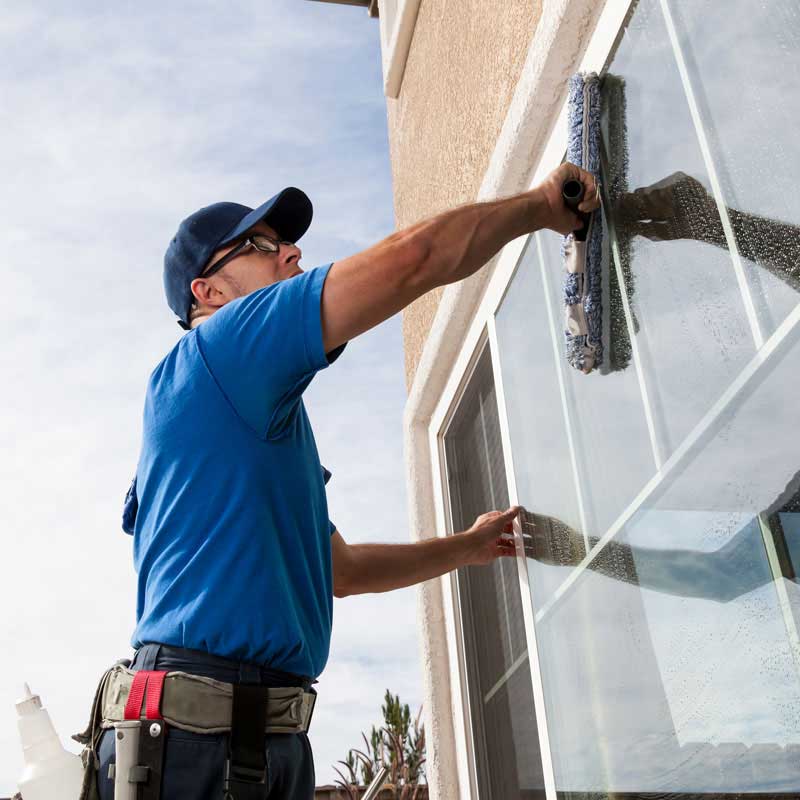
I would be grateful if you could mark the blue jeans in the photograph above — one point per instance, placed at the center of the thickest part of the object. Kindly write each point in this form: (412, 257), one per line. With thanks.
(194, 762)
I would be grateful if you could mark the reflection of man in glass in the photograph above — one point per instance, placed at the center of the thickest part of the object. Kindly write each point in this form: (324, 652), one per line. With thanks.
(721, 575)
(679, 207)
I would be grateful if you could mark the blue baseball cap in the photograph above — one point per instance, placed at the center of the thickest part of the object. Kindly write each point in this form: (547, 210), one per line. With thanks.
(289, 212)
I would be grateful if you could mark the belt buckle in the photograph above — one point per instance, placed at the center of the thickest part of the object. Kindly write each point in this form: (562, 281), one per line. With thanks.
(240, 774)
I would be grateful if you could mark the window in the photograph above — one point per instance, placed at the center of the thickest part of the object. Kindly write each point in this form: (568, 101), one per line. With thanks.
(662, 499)
(673, 649)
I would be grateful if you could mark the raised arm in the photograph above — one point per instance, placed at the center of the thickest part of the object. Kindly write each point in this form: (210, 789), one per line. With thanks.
(367, 288)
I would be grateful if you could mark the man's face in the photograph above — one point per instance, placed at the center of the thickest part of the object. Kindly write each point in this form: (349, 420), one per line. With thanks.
(250, 270)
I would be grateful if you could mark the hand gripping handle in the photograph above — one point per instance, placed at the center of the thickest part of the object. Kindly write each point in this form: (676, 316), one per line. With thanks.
(572, 192)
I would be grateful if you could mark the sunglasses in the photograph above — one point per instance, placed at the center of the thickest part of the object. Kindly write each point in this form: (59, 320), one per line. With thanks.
(260, 241)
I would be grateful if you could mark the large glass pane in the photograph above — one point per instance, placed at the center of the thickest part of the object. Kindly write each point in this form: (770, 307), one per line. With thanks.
(744, 69)
(606, 411)
(535, 411)
(506, 744)
(672, 664)
(692, 331)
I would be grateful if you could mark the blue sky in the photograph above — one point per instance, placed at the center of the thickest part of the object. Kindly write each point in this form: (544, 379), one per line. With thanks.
(117, 123)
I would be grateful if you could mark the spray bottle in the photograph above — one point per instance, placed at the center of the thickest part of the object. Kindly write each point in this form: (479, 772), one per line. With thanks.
(51, 772)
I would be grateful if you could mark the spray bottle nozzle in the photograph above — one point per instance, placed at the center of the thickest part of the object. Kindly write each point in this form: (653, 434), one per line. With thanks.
(29, 703)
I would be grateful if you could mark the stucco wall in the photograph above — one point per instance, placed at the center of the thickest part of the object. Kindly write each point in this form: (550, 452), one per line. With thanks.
(465, 59)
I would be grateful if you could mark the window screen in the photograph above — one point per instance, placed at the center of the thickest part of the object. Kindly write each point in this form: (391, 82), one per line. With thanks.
(498, 678)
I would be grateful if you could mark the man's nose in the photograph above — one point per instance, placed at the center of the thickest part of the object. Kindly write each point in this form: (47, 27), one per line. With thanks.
(288, 250)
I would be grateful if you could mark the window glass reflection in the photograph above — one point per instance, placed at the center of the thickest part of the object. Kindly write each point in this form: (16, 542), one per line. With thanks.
(606, 413)
(743, 69)
(692, 331)
(690, 694)
(535, 411)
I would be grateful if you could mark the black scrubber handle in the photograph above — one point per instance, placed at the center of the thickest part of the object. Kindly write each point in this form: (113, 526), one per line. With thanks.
(572, 192)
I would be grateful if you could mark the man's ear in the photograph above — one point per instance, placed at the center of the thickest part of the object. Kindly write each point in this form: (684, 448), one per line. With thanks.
(206, 293)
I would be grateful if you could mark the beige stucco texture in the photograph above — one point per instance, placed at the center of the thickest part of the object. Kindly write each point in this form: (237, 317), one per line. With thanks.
(465, 59)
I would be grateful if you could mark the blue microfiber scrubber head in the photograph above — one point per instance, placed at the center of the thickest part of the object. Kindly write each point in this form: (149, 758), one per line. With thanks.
(583, 289)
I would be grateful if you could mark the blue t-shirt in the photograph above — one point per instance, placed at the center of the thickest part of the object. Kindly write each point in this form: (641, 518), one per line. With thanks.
(232, 536)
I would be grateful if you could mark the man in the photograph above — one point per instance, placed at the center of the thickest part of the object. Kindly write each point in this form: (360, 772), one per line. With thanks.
(237, 560)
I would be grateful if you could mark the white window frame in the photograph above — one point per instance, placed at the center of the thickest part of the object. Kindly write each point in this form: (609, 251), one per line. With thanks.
(482, 327)
(465, 746)
(397, 30)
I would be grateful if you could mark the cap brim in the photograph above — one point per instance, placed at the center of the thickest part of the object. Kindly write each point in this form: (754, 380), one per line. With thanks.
(289, 212)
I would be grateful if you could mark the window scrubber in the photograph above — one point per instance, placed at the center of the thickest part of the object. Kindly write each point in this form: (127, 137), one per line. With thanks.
(614, 167)
(583, 249)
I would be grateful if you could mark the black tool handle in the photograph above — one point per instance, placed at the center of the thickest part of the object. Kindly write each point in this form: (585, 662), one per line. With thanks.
(572, 192)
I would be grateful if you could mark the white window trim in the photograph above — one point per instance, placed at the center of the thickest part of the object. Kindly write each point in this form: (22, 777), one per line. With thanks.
(397, 31)
(460, 701)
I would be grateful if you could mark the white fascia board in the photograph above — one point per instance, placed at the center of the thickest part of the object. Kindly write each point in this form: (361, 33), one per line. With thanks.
(555, 50)
(397, 36)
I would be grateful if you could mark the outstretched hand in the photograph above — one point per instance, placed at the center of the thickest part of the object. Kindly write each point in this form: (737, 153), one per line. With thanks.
(489, 536)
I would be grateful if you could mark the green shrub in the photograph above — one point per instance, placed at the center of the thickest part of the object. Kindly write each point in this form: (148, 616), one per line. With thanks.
(398, 745)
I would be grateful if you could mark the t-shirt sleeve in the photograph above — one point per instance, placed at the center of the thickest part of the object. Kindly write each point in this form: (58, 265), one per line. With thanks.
(130, 508)
(326, 476)
(264, 349)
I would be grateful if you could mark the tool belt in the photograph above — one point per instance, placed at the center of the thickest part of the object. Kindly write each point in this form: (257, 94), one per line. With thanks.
(196, 704)
(203, 705)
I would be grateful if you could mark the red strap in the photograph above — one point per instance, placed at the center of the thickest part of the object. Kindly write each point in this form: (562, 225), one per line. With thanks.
(152, 683)
(154, 688)
(133, 707)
